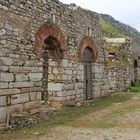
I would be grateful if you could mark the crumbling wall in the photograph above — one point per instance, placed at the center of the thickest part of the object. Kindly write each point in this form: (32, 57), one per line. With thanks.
(119, 63)
(22, 71)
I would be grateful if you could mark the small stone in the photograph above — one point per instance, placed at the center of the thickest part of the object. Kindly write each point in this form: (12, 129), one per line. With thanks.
(64, 63)
(1, 25)
(8, 27)
(7, 61)
(2, 32)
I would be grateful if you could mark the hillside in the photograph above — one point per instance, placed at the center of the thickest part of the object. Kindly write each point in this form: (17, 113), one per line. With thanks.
(114, 28)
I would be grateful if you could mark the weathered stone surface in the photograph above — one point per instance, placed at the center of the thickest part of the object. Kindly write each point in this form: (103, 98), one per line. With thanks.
(3, 101)
(57, 105)
(64, 63)
(55, 71)
(14, 69)
(6, 77)
(35, 76)
(55, 87)
(35, 110)
(15, 108)
(32, 105)
(38, 95)
(21, 77)
(6, 61)
(32, 96)
(3, 114)
(2, 32)
(3, 85)
(1, 25)
(23, 84)
(19, 98)
(9, 91)
(53, 63)
(8, 27)
(4, 68)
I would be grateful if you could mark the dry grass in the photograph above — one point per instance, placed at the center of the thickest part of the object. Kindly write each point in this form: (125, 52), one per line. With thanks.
(107, 112)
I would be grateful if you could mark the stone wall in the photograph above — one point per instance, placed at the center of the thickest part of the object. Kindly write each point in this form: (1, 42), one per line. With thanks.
(119, 63)
(24, 72)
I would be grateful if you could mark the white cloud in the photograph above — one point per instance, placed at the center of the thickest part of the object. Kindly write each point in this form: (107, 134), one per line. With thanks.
(126, 11)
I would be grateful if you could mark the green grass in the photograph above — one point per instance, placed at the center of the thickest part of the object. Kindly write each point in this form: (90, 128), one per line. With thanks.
(135, 88)
(67, 115)
(109, 30)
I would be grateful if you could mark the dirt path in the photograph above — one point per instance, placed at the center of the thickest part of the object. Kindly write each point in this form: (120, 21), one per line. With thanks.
(70, 133)
(117, 122)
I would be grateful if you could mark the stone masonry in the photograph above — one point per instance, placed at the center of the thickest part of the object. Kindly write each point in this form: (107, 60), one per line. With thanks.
(119, 63)
(44, 49)
(42, 44)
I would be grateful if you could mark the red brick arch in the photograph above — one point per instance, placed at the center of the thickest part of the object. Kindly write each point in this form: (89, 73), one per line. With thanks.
(88, 42)
(46, 31)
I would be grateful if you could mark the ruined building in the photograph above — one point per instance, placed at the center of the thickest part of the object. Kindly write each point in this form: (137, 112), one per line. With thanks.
(51, 51)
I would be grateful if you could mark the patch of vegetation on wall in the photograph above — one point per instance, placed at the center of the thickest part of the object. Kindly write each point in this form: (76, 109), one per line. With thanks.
(120, 29)
(109, 30)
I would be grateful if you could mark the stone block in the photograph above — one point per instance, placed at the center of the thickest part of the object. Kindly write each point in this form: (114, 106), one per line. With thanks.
(11, 85)
(35, 76)
(53, 63)
(1, 25)
(32, 104)
(57, 105)
(36, 69)
(6, 61)
(38, 96)
(64, 63)
(78, 85)
(9, 91)
(2, 32)
(32, 96)
(28, 47)
(69, 72)
(3, 85)
(23, 84)
(14, 69)
(81, 67)
(6, 77)
(55, 86)
(95, 68)
(35, 111)
(19, 98)
(3, 114)
(21, 78)
(4, 68)
(69, 86)
(8, 27)
(25, 90)
(61, 94)
(15, 108)
(64, 77)
(55, 71)
(3, 101)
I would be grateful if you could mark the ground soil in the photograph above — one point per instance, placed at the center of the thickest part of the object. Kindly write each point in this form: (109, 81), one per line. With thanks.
(121, 121)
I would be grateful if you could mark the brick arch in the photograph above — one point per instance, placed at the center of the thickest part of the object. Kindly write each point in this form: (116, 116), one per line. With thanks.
(88, 42)
(46, 31)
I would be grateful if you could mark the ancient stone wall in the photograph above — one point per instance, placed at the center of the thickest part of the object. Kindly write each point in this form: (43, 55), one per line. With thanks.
(119, 63)
(29, 29)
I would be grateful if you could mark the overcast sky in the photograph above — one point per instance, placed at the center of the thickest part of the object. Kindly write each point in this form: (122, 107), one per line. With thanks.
(126, 11)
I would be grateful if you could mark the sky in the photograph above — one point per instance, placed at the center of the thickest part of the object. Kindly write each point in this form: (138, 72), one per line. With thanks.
(126, 11)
